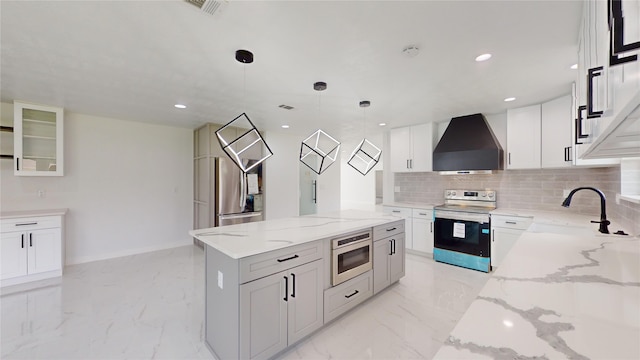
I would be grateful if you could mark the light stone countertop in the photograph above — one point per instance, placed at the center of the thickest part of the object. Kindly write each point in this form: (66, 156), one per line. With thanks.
(29, 213)
(563, 291)
(410, 205)
(242, 240)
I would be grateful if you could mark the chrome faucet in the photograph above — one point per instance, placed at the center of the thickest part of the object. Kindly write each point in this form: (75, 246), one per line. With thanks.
(604, 223)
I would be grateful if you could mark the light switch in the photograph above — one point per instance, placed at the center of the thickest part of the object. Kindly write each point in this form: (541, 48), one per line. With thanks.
(220, 281)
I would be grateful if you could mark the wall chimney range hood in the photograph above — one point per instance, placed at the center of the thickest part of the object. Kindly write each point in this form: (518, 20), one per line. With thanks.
(468, 146)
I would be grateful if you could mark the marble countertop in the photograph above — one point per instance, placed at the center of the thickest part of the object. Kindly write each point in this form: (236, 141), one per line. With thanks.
(29, 213)
(242, 240)
(560, 293)
(410, 205)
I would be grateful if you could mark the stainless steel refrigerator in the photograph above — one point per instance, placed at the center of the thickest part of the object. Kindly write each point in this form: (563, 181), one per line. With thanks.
(238, 196)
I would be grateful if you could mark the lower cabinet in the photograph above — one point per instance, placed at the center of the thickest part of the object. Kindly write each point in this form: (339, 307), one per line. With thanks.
(339, 299)
(280, 309)
(388, 261)
(505, 231)
(30, 249)
(422, 228)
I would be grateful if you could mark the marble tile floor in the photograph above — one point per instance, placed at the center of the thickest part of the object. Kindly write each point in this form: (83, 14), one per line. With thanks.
(151, 306)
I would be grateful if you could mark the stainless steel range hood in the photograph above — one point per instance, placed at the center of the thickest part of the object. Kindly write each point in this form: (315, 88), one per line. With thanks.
(468, 146)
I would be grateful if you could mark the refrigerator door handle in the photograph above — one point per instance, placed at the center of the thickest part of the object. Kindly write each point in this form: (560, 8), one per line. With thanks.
(243, 191)
(240, 216)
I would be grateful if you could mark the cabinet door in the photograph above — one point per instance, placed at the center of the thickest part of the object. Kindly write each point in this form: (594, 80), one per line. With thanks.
(13, 253)
(400, 149)
(422, 236)
(523, 138)
(396, 260)
(422, 148)
(501, 242)
(305, 311)
(381, 254)
(263, 317)
(38, 147)
(44, 250)
(556, 133)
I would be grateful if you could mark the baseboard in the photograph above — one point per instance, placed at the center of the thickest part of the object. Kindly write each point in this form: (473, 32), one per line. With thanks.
(128, 252)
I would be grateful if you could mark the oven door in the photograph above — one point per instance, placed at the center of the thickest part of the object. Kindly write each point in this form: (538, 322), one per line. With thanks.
(463, 232)
(350, 261)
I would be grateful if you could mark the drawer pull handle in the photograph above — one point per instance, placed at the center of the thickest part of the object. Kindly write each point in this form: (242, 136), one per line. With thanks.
(423, 214)
(354, 293)
(395, 211)
(289, 258)
(24, 224)
(393, 228)
(511, 222)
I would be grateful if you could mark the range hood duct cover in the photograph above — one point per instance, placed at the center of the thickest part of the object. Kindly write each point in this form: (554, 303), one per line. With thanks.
(468, 144)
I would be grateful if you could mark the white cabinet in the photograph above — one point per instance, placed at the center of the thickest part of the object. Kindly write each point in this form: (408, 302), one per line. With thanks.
(505, 231)
(388, 260)
(411, 148)
(280, 309)
(557, 140)
(422, 228)
(38, 140)
(31, 249)
(341, 298)
(523, 137)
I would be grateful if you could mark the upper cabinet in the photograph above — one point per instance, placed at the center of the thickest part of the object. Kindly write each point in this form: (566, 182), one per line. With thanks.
(523, 138)
(38, 140)
(608, 80)
(411, 148)
(557, 147)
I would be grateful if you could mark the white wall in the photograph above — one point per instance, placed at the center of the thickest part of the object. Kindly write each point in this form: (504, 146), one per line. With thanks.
(358, 191)
(128, 187)
(282, 176)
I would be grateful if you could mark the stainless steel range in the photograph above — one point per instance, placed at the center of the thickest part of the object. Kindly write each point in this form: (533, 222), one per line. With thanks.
(462, 229)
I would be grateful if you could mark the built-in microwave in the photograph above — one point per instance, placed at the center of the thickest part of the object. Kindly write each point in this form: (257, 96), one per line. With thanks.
(351, 256)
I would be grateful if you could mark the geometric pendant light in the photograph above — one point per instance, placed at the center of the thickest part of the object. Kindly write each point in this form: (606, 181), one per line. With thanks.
(319, 150)
(366, 155)
(239, 138)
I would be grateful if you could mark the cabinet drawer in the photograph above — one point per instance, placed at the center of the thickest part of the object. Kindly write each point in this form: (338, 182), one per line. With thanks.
(422, 214)
(257, 266)
(30, 223)
(341, 298)
(511, 222)
(382, 231)
(397, 211)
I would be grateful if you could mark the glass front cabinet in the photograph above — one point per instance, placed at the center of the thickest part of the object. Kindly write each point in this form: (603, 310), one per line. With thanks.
(37, 140)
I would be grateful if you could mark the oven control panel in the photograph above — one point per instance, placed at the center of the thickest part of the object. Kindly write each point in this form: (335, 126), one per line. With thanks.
(473, 195)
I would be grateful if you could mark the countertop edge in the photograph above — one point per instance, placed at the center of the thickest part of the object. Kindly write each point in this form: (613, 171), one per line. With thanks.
(32, 213)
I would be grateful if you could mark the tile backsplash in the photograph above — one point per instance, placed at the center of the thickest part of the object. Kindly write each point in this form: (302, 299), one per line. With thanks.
(541, 189)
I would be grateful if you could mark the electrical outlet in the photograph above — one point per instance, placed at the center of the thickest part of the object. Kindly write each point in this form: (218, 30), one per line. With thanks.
(41, 193)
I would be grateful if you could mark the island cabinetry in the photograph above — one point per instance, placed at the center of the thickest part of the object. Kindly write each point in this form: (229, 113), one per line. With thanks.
(30, 249)
(339, 299)
(505, 231)
(280, 309)
(388, 255)
(258, 305)
(405, 213)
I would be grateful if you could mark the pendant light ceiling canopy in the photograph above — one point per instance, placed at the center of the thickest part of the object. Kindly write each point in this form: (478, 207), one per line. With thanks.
(366, 155)
(239, 138)
(319, 150)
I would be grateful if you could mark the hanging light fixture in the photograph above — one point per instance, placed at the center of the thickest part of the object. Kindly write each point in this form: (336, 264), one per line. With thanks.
(319, 150)
(366, 155)
(249, 149)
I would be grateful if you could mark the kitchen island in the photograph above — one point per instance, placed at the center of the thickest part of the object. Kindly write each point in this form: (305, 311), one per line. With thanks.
(563, 291)
(269, 284)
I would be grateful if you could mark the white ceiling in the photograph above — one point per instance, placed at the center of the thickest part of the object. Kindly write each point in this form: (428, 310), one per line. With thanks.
(134, 60)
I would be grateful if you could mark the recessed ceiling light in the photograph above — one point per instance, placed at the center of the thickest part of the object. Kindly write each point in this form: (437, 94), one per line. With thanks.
(509, 99)
(180, 106)
(285, 126)
(382, 124)
(574, 66)
(483, 57)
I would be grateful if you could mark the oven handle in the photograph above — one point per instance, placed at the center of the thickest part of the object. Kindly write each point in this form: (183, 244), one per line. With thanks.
(462, 216)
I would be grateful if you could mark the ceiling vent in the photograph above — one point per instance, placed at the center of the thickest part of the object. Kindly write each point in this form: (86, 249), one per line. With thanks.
(286, 107)
(209, 6)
